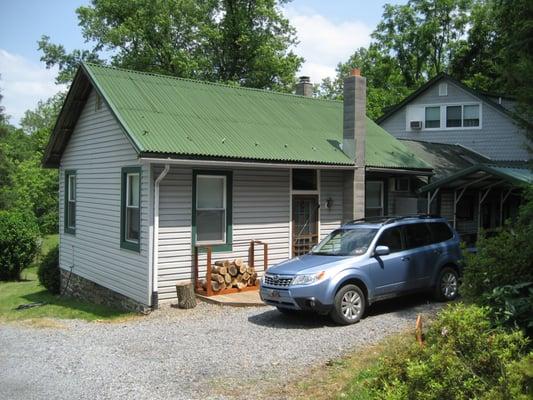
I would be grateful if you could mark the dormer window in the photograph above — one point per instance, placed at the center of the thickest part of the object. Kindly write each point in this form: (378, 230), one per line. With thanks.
(462, 116)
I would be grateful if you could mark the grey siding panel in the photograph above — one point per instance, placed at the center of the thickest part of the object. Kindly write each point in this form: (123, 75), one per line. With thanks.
(260, 211)
(97, 150)
(499, 137)
(331, 187)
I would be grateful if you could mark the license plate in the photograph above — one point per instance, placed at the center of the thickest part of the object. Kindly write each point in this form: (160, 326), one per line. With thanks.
(275, 294)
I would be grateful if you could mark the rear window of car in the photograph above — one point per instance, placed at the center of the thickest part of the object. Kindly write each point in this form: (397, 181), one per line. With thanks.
(417, 235)
(440, 232)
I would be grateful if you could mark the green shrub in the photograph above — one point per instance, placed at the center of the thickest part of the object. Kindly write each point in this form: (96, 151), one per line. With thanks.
(48, 272)
(19, 243)
(512, 306)
(505, 259)
(463, 358)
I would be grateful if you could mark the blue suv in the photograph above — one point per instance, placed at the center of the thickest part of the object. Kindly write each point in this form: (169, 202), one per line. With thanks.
(365, 261)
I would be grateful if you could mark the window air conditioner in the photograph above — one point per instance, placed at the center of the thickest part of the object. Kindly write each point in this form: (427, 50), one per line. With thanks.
(416, 125)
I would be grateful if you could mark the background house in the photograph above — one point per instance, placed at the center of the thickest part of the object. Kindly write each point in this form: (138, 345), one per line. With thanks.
(152, 166)
(477, 146)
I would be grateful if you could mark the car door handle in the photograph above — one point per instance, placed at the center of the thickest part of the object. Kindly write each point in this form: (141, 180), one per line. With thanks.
(406, 258)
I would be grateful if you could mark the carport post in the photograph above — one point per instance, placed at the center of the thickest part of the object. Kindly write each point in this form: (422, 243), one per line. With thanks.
(431, 198)
(503, 198)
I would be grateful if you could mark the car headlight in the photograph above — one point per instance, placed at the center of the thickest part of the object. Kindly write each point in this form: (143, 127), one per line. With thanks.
(308, 279)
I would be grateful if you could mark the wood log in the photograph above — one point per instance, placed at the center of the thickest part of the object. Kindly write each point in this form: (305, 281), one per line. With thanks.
(251, 282)
(250, 270)
(185, 294)
(245, 276)
(227, 278)
(238, 262)
(232, 270)
(222, 270)
(241, 285)
(215, 286)
(234, 282)
(242, 269)
(239, 278)
(217, 277)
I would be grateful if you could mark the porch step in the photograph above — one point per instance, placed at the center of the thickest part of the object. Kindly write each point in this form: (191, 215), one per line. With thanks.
(242, 299)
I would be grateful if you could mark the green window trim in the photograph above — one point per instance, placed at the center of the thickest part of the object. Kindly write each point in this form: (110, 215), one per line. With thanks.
(128, 244)
(69, 227)
(228, 246)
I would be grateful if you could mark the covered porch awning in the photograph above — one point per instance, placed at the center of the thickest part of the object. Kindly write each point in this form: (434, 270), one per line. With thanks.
(483, 178)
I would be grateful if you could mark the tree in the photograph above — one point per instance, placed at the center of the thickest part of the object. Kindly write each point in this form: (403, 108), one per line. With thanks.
(241, 41)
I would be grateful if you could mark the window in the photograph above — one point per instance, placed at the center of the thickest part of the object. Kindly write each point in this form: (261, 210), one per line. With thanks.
(433, 117)
(465, 116)
(131, 208)
(417, 235)
(304, 179)
(471, 115)
(212, 208)
(401, 184)
(453, 116)
(70, 202)
(440, 232)
(346, 242)
(392, 238)
(374, 198)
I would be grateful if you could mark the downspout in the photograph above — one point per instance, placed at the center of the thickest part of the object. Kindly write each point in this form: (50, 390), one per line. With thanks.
(155, 258)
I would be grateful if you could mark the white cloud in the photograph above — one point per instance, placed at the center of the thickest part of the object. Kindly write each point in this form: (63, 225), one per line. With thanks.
(23, 83)
(324, 43)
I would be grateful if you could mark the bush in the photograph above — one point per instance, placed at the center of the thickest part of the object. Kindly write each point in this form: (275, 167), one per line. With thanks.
(463, 358)
(511, 306)
(48, 272)
(19, 243)
(499, 273)
(505, 259)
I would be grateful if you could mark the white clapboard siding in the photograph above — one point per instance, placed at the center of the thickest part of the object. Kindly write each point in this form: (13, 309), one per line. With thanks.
(260, 211)
(331, 187)
(97, 151)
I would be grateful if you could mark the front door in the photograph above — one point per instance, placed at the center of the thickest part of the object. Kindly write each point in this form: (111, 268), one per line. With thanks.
(304, 224)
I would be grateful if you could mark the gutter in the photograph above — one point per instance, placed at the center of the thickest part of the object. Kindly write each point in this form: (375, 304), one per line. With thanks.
(241, 164)
(155, 258)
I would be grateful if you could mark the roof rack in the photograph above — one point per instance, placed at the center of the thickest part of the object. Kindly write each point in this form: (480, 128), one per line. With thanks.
(389, 219)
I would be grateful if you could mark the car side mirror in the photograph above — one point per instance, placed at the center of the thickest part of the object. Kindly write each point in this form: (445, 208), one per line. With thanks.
(381, 250)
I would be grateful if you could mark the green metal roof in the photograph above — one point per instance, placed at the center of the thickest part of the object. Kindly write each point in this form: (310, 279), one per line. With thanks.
(512, 174)
(176, 117)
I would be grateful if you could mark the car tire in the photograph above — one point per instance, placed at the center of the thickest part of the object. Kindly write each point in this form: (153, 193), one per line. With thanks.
(349, 305)
(287, 311)
(447, 287)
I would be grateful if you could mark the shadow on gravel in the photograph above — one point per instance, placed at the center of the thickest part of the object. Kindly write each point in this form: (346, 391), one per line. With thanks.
(401, 307)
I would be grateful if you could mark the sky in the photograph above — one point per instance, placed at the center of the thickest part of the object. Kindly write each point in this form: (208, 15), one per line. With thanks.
(328, 32)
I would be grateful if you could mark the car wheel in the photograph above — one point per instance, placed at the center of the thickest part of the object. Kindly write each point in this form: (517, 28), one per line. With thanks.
(349, 305)
(287, 311)
(447, 288)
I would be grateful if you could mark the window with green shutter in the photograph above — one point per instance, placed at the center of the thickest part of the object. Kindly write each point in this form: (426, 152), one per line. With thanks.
(70, 201)
(130, 229)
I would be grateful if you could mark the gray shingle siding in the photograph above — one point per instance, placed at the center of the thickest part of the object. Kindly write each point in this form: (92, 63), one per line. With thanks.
(97, 151)
(499, 138)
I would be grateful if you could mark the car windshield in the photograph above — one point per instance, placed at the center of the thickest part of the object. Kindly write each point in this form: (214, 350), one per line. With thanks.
(346, 242)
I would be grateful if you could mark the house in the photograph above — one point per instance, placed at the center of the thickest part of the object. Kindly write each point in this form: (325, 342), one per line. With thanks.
(152, 166)
(477, 146)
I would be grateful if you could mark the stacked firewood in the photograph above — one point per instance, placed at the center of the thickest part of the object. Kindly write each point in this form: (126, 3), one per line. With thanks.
(231, 274)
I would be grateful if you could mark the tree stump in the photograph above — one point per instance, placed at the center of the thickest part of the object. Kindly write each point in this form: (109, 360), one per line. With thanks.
(186, 295)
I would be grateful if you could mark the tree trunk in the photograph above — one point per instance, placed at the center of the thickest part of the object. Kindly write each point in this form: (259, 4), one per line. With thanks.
(185, 293)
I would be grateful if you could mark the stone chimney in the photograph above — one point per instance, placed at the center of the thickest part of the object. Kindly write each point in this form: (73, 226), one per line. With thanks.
(353, 143)
(304, 87)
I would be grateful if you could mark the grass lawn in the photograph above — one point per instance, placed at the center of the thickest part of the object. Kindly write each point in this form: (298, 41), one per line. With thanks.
(13, 294)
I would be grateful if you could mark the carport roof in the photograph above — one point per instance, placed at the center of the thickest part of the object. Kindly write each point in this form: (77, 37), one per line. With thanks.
(485, 175)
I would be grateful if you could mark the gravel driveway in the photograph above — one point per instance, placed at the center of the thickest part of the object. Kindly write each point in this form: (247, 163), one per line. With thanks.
(177, 354)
